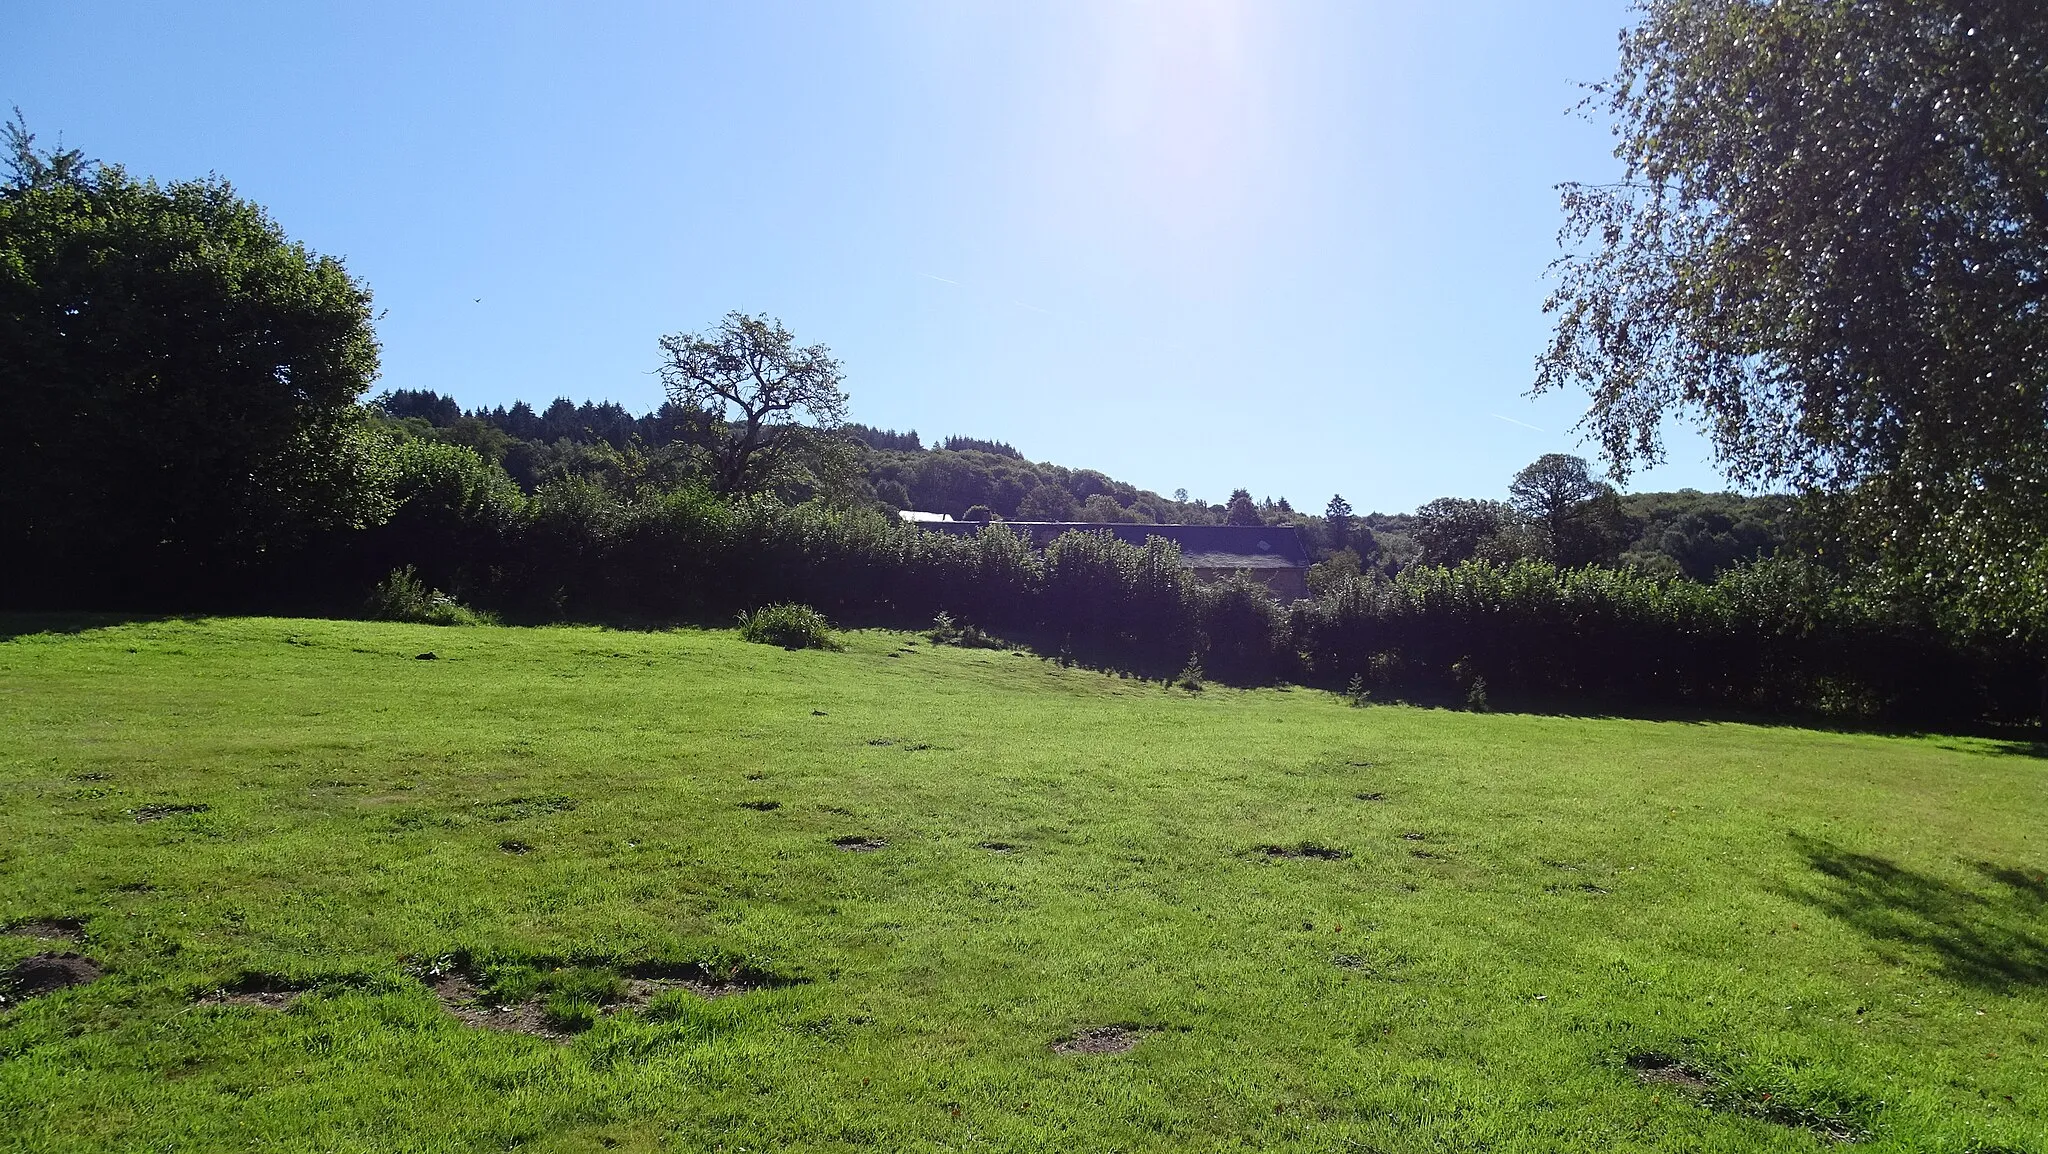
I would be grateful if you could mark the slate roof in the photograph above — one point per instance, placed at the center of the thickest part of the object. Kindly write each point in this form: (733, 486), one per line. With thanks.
(1201, 546)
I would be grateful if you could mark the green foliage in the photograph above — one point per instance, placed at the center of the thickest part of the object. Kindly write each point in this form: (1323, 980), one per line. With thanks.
(1338, 522)
(1357, 693)
(182, 380)
(1827, 248)
(1782, 635)
(1703, 535)
(1453, 530)
(976, 445)
(402, 596)
(945, 631)
(771, 404)
(1334, 572)
(1240, 510)
(1048, 502)
(790, 626)
(1191, 676)
(1580, 519)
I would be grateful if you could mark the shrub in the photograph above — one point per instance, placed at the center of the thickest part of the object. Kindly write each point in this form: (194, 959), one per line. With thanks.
(402, 596)
(1190, 677)
(1475, 697)
(790, 626)
(1357, 693)
(945, 631)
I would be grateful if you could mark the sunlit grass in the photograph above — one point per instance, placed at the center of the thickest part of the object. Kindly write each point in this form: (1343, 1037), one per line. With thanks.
(1326, 928)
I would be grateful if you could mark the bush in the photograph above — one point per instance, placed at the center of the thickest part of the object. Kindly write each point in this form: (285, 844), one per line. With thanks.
(790, 626)
(402, 596)
(945, 631)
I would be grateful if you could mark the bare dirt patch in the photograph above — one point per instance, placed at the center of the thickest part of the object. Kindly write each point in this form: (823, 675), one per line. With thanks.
(1303, 849)
(515, 847)
(1655, 1069)
(1665, 1070)
(1373, 796)
(521, 808)
(47, 973)
(466, 1001)
(860, 843)
(646, 982)
(1099, 1040)
(263, 991)
(146, 813)
(997, 847)
(1411, 835)
(50, 929)
(761, 806)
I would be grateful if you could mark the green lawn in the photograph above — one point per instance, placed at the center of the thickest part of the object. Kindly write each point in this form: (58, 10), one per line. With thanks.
(1830, 933)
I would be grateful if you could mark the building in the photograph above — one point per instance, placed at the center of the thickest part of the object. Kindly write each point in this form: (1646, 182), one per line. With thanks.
(1271, 554)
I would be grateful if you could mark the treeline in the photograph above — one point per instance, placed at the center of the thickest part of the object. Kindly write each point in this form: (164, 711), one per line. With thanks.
(187, 434)
(1689, 533)
(1778, 636)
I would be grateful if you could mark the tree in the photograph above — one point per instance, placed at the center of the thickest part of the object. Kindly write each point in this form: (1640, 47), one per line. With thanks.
(1580, 519)
(1829, 247)
(759, 389)
(1337, 515)
(182, 382)
(1241, 510)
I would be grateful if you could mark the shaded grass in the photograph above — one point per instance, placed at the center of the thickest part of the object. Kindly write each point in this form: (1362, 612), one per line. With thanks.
(1844, 930)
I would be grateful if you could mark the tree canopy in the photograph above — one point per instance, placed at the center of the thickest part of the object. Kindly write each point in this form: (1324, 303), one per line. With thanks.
(1829, 247)
(765, 396)
(181, 377)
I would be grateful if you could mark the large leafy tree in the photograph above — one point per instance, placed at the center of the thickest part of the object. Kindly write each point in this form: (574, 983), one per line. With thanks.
(1829, 247)
(180, 379)
(1580, 517)
(771, 403)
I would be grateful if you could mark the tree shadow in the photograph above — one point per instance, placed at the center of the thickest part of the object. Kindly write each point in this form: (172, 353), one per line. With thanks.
(1990, 939)
(2005, 738)
(13, 625)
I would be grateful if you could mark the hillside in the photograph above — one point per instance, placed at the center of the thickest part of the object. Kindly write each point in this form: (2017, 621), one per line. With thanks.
(913, 898)
(1689, 533)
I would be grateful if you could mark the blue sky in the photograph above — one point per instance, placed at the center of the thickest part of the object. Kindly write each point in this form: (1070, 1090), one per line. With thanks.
(1297, 247)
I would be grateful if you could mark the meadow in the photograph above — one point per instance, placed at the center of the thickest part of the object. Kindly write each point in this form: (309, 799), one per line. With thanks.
(913, 897)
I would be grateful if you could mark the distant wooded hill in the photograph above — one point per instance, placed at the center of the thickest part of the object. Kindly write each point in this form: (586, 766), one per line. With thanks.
(1687, 533)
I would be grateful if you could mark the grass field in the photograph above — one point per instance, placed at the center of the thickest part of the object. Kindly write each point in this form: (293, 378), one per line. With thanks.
(1487, 932)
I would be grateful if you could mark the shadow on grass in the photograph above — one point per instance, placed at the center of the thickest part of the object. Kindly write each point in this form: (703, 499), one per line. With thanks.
(2005, 739)
(13, 625)
(1991, 939)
